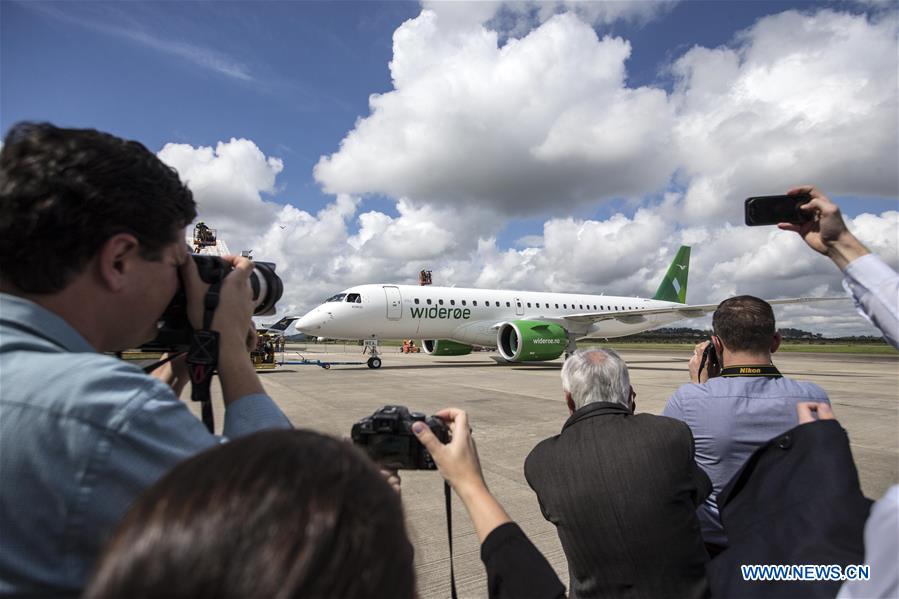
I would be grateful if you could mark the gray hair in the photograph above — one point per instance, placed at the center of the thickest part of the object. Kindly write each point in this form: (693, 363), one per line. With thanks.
(592, 375)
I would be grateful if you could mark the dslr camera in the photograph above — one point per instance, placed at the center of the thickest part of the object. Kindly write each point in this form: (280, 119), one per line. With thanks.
(174, 325)
(388, 439)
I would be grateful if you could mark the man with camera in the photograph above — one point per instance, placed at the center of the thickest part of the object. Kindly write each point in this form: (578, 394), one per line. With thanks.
(621, 488)
(737, 400)
(91, 231)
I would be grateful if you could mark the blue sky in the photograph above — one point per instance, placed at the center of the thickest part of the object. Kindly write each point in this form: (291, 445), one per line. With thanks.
(294, 80)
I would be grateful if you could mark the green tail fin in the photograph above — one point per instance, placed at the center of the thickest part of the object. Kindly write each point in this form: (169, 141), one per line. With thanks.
(674, 286)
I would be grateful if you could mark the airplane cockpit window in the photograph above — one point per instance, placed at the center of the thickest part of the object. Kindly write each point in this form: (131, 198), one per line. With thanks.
(354, 298)
(336, 298)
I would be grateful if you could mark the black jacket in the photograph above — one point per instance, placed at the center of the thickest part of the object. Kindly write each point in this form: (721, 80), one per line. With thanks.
(796, 501)
(622, 490)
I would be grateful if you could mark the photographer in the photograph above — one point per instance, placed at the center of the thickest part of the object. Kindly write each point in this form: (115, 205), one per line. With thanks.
(299, 514)
(736, 409)
(92, 248)
(515, 568)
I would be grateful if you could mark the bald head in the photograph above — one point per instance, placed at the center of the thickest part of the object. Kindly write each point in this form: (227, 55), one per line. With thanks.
(593, 375)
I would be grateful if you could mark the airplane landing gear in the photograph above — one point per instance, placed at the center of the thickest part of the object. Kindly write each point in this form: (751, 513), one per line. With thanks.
(571, 347)
(371, 347)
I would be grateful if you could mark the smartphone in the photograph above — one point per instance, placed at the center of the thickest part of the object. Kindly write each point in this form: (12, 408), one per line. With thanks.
(770, 210)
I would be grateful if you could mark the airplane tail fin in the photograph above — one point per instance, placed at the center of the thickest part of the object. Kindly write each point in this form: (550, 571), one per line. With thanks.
(673, 287)
(282, 324)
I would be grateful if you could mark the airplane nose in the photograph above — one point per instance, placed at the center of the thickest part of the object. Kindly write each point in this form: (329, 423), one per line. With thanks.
(307, 323)
(312, 322)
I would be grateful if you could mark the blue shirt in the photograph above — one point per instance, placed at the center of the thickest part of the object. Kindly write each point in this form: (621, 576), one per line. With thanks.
(730, 419)
(81, 435)
(875, 288)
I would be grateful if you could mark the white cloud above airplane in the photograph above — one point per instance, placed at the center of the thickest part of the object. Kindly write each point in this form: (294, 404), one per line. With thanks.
(476, 132)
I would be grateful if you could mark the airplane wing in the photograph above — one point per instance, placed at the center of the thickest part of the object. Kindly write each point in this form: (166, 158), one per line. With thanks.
(684, 311)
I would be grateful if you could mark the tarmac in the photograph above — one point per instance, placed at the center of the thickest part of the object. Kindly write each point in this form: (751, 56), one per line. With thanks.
(513, 407)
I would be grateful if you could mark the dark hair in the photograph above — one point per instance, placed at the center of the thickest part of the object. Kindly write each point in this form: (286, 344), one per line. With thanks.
(277, 514)
(64, 192)
(744, 323)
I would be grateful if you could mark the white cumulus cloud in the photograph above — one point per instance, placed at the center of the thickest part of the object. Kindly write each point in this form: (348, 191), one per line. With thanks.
(544, 120)
(228, 183)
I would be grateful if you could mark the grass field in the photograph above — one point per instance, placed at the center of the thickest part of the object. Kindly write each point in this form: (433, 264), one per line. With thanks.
(822, 348)
(829, 348)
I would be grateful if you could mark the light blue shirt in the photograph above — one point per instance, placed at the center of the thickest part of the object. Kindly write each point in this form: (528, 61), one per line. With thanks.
(81, 435)
(730, 418)
(881, 552)
(875, 288)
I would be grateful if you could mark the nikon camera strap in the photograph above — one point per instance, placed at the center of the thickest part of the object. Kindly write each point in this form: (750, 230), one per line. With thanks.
(202, 358)
(768, 370)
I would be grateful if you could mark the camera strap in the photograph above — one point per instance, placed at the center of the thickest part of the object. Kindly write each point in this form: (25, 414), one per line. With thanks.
(202, 358)
(449, 534)
(769, 371)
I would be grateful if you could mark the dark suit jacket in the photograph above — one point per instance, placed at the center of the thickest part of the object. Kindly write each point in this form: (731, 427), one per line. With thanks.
(796, 501)
(622, 490)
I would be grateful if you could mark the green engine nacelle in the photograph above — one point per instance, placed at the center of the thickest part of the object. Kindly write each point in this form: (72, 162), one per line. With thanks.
(443, 347)
(530, 340)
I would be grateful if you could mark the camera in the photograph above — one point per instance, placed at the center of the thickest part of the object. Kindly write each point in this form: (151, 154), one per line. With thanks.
(388, 439)
(710, 361)
(770, 210)
(174, 325)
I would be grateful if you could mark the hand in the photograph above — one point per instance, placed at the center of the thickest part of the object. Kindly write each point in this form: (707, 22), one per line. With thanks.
(457, 460)
(459, 465)
(826, 233)
(393, 479)
(696, 360)
(806, 411)
(233, 322)
(173, 373)
(233, 315)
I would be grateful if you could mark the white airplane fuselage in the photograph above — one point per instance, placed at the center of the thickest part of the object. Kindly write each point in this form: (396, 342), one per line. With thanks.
(470, 316)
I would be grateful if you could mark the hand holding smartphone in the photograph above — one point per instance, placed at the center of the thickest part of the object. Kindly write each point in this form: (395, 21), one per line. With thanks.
(771, 210)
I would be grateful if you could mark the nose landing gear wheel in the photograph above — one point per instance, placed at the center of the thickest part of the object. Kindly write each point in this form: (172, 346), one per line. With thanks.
(374, 362)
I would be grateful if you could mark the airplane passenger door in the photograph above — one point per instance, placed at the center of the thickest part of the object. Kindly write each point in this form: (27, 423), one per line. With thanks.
(394, 303)
(519, 309)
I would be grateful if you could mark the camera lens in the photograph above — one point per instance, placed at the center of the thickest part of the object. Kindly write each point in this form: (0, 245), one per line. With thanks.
(267, 288)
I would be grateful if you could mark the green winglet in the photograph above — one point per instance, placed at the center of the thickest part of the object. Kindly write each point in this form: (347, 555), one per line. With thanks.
(673, 287)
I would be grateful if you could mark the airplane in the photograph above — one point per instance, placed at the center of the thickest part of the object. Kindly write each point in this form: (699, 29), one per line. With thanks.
(525, 326)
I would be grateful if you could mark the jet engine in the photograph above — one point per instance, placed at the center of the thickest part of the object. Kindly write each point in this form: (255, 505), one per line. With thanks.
(530, 340)
(443, 347)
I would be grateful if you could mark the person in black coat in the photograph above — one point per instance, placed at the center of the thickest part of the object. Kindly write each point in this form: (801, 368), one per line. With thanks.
(621, 488)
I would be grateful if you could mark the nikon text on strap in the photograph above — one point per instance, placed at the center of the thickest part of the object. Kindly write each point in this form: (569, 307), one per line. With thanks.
(768, 370)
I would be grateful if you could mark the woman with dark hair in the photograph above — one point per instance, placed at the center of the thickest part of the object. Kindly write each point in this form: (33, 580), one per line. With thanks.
(276, 514)
(289, 514)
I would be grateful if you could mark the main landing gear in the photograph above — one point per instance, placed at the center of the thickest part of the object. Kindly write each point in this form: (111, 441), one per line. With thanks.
(571, 347)
(371, 348)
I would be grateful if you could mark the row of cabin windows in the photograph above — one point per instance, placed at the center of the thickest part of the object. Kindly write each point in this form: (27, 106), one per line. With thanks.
(357, 299)
(537, 305)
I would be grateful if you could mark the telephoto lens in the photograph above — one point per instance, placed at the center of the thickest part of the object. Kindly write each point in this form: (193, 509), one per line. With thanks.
(267, 288)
